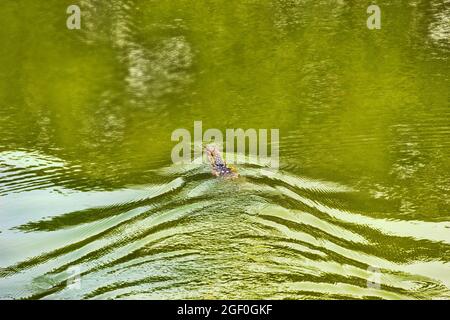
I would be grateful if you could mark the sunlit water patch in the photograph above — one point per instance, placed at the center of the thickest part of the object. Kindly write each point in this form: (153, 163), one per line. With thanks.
(196, 236)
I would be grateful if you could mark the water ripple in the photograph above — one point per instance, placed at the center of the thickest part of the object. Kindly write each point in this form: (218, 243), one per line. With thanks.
(192, 235)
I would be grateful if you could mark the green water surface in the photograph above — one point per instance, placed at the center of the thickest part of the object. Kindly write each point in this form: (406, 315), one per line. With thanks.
(91, 205)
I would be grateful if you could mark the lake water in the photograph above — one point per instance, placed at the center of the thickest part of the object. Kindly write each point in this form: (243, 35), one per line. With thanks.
(91, 205)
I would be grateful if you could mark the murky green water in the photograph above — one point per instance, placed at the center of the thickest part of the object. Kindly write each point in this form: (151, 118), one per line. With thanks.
(359, 208)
